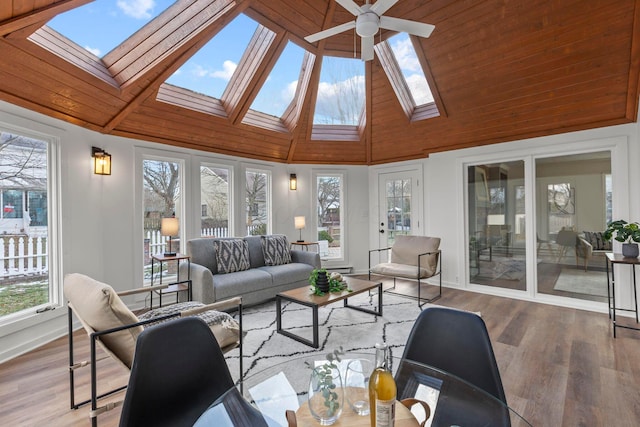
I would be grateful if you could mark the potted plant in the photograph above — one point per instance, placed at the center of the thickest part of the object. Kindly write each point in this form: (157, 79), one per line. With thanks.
(625, 232)
(321, 282)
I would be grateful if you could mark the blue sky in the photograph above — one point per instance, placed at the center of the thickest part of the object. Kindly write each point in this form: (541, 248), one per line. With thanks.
(102, 25)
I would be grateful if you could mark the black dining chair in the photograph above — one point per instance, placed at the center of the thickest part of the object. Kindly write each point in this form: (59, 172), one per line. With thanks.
(178, 371)
(457, 342)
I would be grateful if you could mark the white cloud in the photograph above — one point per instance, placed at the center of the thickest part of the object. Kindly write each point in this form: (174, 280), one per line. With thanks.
(93, 50)
(139, 9)
(289, 92)
(405, 55)
(419, 89)
(341, 102)
(228, 67)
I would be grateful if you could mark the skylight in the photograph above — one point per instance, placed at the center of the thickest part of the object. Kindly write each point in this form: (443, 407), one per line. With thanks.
(341, 92)
(210, 69)
(102, 25)
(278, 90)
(407, 59)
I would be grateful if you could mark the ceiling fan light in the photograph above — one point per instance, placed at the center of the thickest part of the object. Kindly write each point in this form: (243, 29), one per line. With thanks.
(367, 24)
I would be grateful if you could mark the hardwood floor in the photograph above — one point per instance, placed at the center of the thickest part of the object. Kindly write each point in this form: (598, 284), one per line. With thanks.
(559, 366)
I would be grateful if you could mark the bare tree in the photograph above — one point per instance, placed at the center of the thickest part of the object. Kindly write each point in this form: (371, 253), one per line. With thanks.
(341, 100)
(256, 193)
(23, 161)
(328, 196)
(161, 185)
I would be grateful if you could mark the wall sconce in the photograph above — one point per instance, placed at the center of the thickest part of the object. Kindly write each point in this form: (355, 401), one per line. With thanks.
(299, 223)
(293, 182)
(101, 161)
(169, 227)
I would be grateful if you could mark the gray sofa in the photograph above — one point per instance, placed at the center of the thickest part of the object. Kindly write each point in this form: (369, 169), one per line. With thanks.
(258, 283)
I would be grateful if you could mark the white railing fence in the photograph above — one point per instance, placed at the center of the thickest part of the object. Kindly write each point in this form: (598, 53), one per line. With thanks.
(23, 256)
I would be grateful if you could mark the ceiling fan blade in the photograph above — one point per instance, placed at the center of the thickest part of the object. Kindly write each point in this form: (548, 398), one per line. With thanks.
(366, 48)
(350, 6)
(330, 32)
(381, 6)
(406, 26)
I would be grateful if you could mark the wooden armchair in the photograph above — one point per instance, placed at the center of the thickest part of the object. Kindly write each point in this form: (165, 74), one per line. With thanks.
(115, 328)
(411, 257)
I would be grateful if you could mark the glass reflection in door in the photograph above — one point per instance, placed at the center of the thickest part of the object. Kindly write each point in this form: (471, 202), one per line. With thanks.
(495, 201)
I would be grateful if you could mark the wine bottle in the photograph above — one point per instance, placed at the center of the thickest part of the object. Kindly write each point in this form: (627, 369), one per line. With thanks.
(382, 391)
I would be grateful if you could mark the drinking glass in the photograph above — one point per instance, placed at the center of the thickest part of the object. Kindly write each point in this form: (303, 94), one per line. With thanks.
(357, 385)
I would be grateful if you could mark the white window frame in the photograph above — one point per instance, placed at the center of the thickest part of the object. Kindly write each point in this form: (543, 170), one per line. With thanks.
(143, 154)
(54, 240)
(342, 174)
(269, 196)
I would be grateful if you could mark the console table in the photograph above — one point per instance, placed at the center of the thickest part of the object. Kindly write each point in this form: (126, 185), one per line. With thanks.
(617, 259)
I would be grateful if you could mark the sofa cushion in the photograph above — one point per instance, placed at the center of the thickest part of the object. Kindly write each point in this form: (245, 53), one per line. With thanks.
(256, 258)
(241, 282)
(231, 255)
(288, 273)
(276, 250)
(99, 307)
(597, 241)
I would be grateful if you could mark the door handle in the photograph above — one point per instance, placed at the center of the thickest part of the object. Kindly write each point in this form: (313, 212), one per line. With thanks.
(381, 231)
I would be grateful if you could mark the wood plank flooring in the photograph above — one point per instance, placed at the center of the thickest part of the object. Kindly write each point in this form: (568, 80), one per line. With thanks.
(559, 366)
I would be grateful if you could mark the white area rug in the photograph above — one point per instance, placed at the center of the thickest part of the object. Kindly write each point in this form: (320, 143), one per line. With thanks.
(339, 326)
(582, 282)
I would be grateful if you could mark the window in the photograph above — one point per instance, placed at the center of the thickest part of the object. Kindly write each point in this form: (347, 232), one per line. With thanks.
(26, 252)
(214, 197)
(341, 92)
(161, 199)
(330, 202)
(258, 202)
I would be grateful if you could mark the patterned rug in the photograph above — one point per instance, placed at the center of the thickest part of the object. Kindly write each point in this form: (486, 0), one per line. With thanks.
(355, 331)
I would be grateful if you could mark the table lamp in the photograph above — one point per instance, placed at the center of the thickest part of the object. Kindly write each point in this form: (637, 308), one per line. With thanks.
(169, 227)
(299, 224)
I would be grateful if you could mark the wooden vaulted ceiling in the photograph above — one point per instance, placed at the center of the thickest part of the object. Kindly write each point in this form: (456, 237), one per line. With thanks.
(500, 70)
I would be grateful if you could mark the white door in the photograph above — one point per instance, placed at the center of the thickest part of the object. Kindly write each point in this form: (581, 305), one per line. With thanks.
(400, 206)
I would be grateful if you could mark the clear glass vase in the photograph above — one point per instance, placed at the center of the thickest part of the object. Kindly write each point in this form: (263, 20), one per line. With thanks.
(325, 394)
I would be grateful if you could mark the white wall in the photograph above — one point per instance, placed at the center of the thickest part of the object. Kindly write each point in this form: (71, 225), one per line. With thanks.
(100, 218)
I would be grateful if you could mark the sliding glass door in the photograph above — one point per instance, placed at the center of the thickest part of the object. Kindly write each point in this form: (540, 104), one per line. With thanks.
(571, 202)
(496, 224)
(573, 206)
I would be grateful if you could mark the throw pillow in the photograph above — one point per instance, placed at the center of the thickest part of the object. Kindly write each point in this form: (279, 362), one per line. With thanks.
(597, 241)
(231, 255)
(276, 250)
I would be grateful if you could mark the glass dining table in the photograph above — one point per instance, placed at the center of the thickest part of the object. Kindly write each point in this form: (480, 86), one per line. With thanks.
(262, 399)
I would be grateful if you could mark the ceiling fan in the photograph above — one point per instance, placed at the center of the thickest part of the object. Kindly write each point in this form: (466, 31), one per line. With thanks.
(369, 20)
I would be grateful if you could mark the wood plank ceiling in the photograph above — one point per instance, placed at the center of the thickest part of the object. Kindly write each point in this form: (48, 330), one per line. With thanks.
(501, 70)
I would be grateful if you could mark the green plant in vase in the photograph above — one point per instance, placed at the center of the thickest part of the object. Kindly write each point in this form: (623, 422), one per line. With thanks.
(626, 232)
(321, 282)
(325, 389)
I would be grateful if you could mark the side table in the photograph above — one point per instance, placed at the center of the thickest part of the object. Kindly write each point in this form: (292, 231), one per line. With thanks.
(173, 287)
(614, 259)
(305, 245)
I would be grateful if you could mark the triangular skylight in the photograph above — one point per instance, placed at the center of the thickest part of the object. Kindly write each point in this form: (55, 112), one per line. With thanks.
(87, 25)
(411, 69)
(341, 92)
(208, 71)
(278, 90)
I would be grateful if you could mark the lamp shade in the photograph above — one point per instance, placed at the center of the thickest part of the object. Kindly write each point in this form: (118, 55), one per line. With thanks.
(299, 222)
(169, 226)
